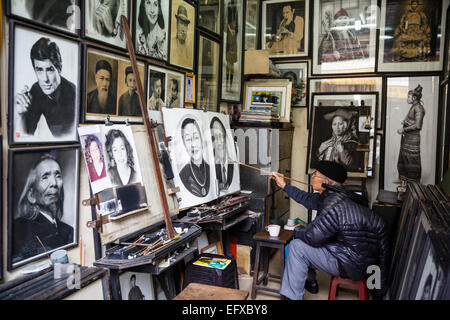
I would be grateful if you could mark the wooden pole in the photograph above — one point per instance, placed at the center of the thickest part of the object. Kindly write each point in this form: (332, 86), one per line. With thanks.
(149, 128)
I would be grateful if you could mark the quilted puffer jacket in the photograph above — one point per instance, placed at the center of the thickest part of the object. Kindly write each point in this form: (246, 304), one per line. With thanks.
(352, 233)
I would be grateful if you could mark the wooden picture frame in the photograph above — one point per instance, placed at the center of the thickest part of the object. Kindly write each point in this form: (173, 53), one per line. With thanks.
(63, 20)
(282, 88)
(105, 30)
(27, 87)
(273, 35)
(232, 52)
(332, 21)
(25, 224)
(252, 22)
(208, 73)
(214, 248)
(394, 53)
(189, 90)
(117, 87)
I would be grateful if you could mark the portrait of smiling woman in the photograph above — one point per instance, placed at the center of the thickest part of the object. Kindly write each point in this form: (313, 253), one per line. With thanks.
(151, 28)
(121, 166)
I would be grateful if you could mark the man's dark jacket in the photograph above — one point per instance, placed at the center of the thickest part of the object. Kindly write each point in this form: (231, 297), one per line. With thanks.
(347, 228)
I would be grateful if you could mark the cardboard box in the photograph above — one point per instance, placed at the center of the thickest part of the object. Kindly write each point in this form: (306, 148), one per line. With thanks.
(243, 259)
(256, 62)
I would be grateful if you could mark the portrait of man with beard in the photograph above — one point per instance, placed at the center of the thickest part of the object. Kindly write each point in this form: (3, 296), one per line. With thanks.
(39, 212)
(102, 99)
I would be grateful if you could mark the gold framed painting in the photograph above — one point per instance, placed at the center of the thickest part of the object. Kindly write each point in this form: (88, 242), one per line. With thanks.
(189, 92)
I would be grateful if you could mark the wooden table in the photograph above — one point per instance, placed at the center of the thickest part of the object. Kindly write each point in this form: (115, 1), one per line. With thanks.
(263, 239)
(198, 291)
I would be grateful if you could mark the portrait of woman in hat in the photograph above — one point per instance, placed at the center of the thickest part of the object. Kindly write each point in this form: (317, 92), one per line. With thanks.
(341, 147)
(340, 42)
(151, 29)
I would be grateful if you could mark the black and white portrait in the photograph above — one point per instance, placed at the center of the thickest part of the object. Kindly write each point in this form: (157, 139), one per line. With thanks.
(59, 14)
(156, 88)
(191, 155)
(344, 36)
(127, 89)
(45, 87)
(182, 34)
(136, 286)
(175, 90)
(43, 211)
(224, 151)
(122, 162)
(152, 25)
(430, 281)
(411, 130)
(335, 137)
(103, 20)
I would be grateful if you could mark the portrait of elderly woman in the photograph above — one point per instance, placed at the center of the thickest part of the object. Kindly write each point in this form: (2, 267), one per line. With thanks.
(94, 158)
(335, 137)
(121, 165)
(41, 219)
(151, 28)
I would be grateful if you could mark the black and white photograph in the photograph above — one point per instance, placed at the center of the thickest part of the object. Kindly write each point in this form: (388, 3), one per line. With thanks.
(121, 155)
(191, 155)
(232, 50)
(412, 35)
(151, 22)
(175, 90)
(44, 87)
(297, 72)
(136, 286)
(285, 27)
(224, 150)
(157, 81)
(335, 137)
(182, 37)
(209, 14)
(43, 186)
(111, 88)
(62, 15)
(102, 21)
(411, 130)
(344, 36)
(208, 74)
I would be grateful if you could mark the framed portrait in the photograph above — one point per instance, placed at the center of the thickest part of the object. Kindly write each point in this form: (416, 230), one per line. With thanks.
(44, 83)
(43, 192)
(102, 21)
(447, 48)
(356, 84)
(412, 35)
(209, 15)
(208, 74)
(151, 35)
(60, 15)
(252, 31)
(191, 155)
(297, 72)
(277, 90)
(344, 36)
(285, 28)
(110, 88)
(136, 286)
(412, 109)
(189, 88)
(213, 248)
(343, 131)
(165, 89)
(232, 50)
(182, 34)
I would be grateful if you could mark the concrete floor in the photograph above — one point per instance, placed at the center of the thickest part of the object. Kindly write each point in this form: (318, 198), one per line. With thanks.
(245, 283)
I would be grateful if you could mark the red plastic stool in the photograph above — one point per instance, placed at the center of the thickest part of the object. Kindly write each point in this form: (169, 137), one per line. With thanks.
(361, 285)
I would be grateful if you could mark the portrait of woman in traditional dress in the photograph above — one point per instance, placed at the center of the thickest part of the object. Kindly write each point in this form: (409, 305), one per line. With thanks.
(121, 166)
(409, 164)
(151, 29)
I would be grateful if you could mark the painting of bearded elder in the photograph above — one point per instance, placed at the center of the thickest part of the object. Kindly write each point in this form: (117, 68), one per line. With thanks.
(43, 199)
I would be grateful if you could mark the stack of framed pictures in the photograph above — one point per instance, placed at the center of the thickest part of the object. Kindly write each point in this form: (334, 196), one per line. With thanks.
(421, 257)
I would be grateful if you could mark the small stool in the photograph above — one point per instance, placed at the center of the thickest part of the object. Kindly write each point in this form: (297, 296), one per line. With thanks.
(361, 285)
(263, 239)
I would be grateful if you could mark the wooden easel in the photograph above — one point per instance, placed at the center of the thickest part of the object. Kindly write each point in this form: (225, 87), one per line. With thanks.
(149, 127)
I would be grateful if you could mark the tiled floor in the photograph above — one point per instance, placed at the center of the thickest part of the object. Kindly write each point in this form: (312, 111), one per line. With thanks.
(245, 283)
